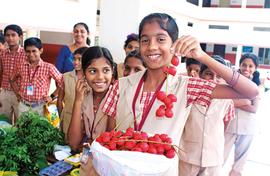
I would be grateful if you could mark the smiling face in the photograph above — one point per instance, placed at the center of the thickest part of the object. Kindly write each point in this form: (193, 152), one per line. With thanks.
(33, 54)
(155, 46)
(80, 34)
(99, 75)
(247, 67)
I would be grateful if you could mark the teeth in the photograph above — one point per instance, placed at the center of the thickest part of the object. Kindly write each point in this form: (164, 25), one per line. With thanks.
(153, 56)
(99, 84)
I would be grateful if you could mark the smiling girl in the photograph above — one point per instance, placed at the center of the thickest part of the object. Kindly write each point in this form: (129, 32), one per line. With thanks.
(132, 100)
(241, 130)
(88, 121)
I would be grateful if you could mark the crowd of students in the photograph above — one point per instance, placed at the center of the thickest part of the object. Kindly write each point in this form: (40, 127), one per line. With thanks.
(215, 109)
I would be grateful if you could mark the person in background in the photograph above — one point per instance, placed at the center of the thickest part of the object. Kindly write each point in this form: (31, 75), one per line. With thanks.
(203, 148)
(81, 39)
(159, 43)
(66, 97)
(64, 60)
(241, 130)
(35, 78)
(10, 59)
(193, 67)
(133, 63)
(131, 44)
(3, 43)
(88, 121)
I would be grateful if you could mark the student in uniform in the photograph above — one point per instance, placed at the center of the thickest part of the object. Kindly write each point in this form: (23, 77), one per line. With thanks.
(241, 130)
(10, 59)
(66, 97)
(202, 141)
(88, 121)
(193, 67)
(132, 100)
(133, 63)
(35, 77)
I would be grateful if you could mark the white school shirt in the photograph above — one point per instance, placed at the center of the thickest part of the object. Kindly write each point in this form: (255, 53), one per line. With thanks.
(173, 127)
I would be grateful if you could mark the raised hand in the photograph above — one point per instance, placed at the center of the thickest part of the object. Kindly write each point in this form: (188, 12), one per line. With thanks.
(187, 46)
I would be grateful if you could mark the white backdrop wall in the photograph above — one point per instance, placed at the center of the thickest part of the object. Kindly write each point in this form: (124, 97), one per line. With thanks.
(49, 15)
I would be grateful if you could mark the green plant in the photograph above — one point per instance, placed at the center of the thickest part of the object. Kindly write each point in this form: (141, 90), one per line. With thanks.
(24, 147)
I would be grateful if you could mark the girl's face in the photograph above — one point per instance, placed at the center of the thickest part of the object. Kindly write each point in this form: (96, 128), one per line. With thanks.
(247, 67)
(133, 45)
(99, 75)
(208, 74)
(193, 70)
(77, 62)
(12, 38)
(155, 44)
(33, 54)
(133, 65)
(80, 34)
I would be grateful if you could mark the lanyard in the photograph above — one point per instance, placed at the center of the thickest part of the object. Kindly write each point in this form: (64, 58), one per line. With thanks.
(149, 106)
(29, 73)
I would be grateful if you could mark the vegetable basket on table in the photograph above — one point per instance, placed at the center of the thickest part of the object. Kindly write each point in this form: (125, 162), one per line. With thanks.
(132, 153)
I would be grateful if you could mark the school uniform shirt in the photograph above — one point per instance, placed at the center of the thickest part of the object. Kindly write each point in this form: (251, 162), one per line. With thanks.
(202, 142)
(118, 104)
(10, 61)
(70, 79)
(94, 125)
(243, 124)
(40, 78)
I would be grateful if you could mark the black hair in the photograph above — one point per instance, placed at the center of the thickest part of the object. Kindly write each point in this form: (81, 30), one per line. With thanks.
(130, 38)
(80, 50)
(95, 52)
(2, 38)
(217, 58)
(15, 28)
(254, 58)
(190, 61)
(33, 41)
(165, 21)
(88, 41)
(135, 54)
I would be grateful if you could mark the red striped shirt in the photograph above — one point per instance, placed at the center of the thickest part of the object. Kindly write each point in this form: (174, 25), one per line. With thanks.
(9, 61)
(40, 78)
(198, 90)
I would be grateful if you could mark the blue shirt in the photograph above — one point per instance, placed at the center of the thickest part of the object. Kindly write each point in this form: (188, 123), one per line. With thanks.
(64, 60)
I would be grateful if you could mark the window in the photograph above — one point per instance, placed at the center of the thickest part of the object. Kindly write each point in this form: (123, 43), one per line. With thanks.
(195, 2)
(264, 56)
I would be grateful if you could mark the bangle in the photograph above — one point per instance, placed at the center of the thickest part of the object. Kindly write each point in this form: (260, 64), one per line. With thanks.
(52, 96)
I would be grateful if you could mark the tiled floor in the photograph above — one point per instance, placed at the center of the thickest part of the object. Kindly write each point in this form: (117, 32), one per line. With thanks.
(258, 163)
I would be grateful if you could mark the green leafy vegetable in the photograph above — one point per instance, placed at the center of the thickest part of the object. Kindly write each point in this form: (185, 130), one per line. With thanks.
(24, 147)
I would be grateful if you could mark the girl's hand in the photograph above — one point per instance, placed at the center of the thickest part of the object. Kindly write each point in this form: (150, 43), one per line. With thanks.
(80, 90)
(187, 46)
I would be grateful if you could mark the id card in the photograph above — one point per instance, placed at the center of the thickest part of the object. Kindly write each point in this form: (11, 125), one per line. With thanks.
(85, 155)
(30, 90)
